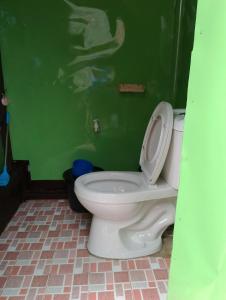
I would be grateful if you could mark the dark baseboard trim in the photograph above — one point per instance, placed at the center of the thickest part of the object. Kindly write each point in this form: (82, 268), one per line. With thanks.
(12, 195)
(46, 189)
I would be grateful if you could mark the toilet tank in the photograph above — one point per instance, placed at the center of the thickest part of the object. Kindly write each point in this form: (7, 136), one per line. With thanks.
(171, 169)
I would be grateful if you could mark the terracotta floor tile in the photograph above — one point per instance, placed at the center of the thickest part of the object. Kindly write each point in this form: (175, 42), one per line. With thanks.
(47, 297)
(61, 297)
(55, 280)
(2, 281)
(104, 266)
(11, 255)
(14, 282)
(36, 246)
(12, 270)
(120, 277)
(142, 264)
(4, 247)
(16, 298)
(66, 269)
(82, 253)
(81, 279)
(137, 295)
(161, 274)
(27, 270)
(96, 278)
(150, 294)
(92, 296)
(105, 296)
(39, 281)
(137, 275)
(47, 254)
(69, 245)
(129, 295)
(67, 290)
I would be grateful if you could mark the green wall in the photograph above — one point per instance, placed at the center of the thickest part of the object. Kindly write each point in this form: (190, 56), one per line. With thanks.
(198, 268)
(186, 38)
(51, 123)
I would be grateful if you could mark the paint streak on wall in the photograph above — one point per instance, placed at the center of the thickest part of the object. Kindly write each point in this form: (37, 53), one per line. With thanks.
(6, 20)
(93, 26)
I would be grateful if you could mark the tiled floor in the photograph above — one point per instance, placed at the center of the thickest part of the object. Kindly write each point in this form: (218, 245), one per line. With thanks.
(43, 256)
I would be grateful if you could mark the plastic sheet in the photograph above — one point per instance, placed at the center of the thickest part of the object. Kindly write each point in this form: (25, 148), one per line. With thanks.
(198, 269)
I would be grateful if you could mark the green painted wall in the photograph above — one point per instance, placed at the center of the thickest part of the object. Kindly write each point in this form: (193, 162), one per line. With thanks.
(187, 17)
(198, 268)
(51, 124)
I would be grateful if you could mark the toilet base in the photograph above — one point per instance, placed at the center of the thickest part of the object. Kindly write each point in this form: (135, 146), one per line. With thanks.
(117, 241)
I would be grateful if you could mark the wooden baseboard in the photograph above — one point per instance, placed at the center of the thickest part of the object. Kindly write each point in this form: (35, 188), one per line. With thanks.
(12, 195)
(46, 189)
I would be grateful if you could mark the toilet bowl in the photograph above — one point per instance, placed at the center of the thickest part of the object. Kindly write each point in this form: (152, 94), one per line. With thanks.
(131, 210)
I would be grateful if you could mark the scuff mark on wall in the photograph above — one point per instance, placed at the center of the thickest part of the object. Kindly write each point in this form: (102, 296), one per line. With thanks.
(93, 26)
(163, 23)
(37, 62)
(89, 76)
(6, 20)
(87, 147)
(10, 20)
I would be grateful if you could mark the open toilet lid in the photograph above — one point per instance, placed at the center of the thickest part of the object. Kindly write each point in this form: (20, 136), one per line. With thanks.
(157, 141)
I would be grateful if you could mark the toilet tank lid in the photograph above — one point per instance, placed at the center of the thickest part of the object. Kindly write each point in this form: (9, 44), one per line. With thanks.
(178, 123)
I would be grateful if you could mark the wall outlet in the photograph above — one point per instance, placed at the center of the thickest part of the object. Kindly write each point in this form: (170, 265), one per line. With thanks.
(96, 126)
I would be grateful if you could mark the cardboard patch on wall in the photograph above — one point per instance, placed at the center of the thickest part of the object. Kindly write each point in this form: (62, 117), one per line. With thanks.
(131, 88)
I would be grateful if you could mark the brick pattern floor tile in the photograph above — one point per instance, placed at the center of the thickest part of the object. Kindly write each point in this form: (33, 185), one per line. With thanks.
(43, 256)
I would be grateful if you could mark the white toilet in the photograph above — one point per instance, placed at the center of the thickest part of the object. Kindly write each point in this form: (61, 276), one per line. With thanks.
(131, 210)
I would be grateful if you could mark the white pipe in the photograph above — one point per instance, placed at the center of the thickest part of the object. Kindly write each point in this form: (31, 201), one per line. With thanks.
(177, 49)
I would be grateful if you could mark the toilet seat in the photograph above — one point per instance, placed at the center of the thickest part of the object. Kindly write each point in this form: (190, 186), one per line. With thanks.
(157, 141)
(121, 187)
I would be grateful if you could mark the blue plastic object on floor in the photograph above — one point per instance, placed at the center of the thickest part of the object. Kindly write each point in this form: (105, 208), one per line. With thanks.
(81, 167)
(4, 176)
